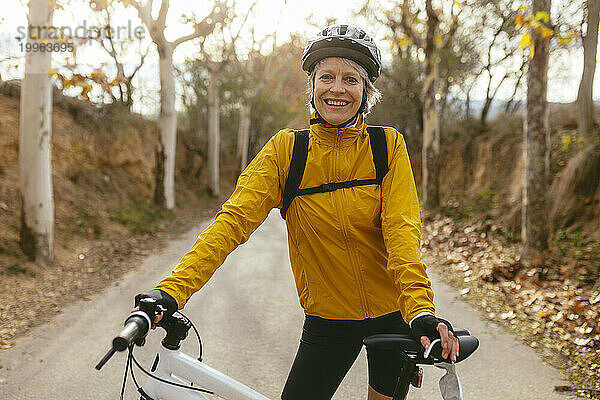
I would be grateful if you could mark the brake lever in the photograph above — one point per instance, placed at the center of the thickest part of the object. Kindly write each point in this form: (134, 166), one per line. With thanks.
(152, 309)
(430, 348)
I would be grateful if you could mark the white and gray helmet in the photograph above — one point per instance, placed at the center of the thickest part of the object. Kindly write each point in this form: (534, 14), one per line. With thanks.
(344, 41)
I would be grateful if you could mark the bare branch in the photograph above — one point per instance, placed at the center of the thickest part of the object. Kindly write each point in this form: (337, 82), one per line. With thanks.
(449, 37)
(161, 21)
(145, 12)
(406, 20)
(141, 63)
(217, 15)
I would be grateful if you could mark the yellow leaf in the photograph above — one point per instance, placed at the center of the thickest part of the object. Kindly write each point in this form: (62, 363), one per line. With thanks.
(546, 33)
(458, 3)
(531, 51)
(543, 16)
(525, 40)
(519, 20)
(565, 40)
(438, 38)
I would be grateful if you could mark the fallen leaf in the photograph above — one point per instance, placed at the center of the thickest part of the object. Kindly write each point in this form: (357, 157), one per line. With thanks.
(6, 345)
(508, 315)
(582, 341)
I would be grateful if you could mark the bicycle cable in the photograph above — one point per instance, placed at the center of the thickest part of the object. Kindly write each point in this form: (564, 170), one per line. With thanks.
(196, 332)
(137, 364)
(129, 368)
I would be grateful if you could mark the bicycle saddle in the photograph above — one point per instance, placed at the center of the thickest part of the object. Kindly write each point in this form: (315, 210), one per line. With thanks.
(413, 350)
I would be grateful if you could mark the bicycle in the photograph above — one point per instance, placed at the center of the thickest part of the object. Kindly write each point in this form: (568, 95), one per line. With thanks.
(176, 375)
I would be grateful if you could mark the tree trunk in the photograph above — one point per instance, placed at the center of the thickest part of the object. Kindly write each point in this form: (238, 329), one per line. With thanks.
(164, 194)
(243, 136)
(431, 136)
(431, 132)
(35, 137)
(468, 105)
(485, 111)
(536, 151)
(213, 133)
(590, 43)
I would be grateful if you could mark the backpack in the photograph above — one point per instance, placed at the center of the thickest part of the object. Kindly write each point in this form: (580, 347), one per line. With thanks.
(298, 163)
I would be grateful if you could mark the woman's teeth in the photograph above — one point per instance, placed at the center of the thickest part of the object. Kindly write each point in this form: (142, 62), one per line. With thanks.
(336, 103)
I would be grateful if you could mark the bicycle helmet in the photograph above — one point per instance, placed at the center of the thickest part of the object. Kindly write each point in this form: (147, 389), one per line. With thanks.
(344, 41)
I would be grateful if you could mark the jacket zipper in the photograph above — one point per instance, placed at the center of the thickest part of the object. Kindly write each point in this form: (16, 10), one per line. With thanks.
(342, 219)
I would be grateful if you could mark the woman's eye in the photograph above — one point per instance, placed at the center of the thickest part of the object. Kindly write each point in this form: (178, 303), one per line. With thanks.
(326, 77)
(352, 79)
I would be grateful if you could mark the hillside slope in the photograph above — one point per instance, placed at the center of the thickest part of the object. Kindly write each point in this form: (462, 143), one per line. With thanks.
(102, 164)
(485, 167)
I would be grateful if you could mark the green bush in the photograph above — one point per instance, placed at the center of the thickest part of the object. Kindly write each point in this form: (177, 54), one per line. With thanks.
(138, 217)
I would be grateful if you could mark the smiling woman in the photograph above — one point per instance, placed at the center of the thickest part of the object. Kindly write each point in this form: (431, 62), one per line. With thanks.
(353, 78)
(338, 90)
(348, 196)
(342, 63)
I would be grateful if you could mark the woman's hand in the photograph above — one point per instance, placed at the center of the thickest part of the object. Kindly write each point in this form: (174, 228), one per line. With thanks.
(427, 327)
(166, 301)
(448, 340)
(157, 318)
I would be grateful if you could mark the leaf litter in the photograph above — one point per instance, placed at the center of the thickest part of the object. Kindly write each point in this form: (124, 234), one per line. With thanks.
(550, 308)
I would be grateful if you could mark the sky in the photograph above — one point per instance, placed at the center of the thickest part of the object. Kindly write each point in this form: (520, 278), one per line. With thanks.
(285, 17)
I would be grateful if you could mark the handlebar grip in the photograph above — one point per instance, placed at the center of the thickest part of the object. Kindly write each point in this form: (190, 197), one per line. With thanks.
(137, 325)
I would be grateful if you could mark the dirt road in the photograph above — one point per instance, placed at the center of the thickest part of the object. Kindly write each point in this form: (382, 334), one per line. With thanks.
(250, 320)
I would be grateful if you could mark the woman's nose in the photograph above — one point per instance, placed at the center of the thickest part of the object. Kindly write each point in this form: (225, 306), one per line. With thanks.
(337, 87)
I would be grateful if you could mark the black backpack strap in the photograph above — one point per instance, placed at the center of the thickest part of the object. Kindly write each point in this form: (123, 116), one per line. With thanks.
(297, 164)
(379, 149)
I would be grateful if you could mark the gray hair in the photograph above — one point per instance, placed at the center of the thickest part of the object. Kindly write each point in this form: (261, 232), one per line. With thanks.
(373, 94)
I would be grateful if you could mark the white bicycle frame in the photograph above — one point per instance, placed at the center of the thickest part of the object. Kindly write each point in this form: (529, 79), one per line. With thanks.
(178, 367)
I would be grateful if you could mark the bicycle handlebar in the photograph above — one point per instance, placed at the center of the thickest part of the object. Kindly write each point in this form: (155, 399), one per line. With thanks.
(412, 349)
(136, 327)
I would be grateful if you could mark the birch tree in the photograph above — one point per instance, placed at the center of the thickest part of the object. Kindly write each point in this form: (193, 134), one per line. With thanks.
(164, 194)
(35, 134)
(536, 136)
(590, 44)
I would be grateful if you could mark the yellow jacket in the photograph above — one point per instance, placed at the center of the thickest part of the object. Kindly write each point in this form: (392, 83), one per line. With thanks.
(354, 252)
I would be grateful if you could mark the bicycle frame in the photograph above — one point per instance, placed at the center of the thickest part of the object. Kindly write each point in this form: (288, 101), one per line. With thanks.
(178, 367)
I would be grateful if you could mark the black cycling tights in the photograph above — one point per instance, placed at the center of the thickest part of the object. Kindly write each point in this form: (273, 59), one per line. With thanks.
(328, 349)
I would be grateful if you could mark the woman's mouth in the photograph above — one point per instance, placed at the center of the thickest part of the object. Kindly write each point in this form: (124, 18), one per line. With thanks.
(336, 103)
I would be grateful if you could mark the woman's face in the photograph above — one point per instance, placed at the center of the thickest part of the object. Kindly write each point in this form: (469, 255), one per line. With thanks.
(338, 91)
